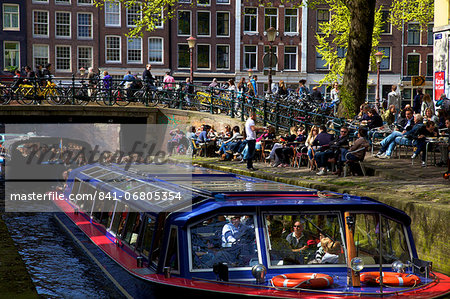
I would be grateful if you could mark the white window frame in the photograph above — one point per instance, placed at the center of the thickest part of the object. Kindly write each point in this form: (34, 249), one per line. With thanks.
(40, 1)
(296, 58)
(178, 56)
(128, 49)
(190, 23)
(48, 23)
(270, 17)
(251, 15)
(67, 2)
(407, 34)
(203, 5)
(407, 61)
(245, 67)
(229, 56)
(4, 51)
(317, 19)
(106, 50)
(48, 53)
(78, 56)
(91, 26)
(210, 54)
(113, 4)
(162, 20)
(70, 59)
(229, 23)
(85, 4)
(209, 13)
(70, 25)
(390, 25)
(162, 50)
(390, 58)
(133, 14)
(291, 33)
(10, 17)
(223, 3)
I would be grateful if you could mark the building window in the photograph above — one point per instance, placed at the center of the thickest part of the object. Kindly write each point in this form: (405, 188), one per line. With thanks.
(413, 64)
(290, 58)
(430, 71)
(184, 22)
(40, 55)
(65, 2)
(385, 64)
(270, 18)
(63, 58)
(112, 14)
(430, 35)
(323, 16)
(371, 93)
(85, 25)
(223, 1)
(85, 58)
(320, 62)
(203, 23)
(158, 19)
(134, 50)
(11, 17)
(413, 34)
(290, 20)
(85, 2)
(223, 24)
(183, 56)
(134, 15)
(250, 53)
(386, 26)
(203, 56)
(11, 57)
(40, 1)
(62, 24)
(40, 23)
(203, 2)
(155, 50)
(223, 57)
(113, 49)
(250, 19)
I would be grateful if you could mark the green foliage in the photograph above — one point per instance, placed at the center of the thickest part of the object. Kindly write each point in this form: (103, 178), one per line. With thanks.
(404, 11)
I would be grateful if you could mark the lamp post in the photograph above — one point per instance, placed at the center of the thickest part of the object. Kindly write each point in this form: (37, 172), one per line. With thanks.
(271, 34)
(191, 42)
(378, 58)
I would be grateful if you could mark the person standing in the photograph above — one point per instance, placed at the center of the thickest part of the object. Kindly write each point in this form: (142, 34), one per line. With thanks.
(417, 104)
(168, 80)
(334, 95)
(147, 76)
(250, 130)
(394, 98)
(427, 103)
(254, 85)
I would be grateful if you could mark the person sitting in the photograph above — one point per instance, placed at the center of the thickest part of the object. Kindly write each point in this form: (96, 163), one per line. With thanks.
(389, 115)
(284, 154)
(359, 143)
(404, 125)
(232, 231)
(280, 250)
(334, 151)
(375, 120)
(322, 140)
(427, 130)
(225, 148)
(430, 116)
(296, 239)
(332, 251)
(426, 103)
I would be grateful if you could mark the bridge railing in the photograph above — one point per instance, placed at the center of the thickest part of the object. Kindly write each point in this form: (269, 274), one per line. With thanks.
(281, 112)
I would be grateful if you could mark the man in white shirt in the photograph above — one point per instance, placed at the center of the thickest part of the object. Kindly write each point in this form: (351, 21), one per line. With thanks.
(394, 98)
(250, 130)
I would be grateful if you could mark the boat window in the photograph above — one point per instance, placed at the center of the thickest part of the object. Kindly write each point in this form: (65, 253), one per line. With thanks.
(149, 229)
(305, 239)
(86, 197)
(156, 248)
(131, 232)
(172, 251)
(102, 211)
(227, 239)
(394, 246)
(119, 218)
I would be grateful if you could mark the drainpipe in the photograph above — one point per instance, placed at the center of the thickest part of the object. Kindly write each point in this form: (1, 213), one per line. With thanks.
(304, 36)
(237, 37)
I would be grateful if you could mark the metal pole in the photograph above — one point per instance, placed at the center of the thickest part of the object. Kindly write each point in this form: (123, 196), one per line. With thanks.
(378, 84)
(380, 236)
(191, 75)
(269, 91)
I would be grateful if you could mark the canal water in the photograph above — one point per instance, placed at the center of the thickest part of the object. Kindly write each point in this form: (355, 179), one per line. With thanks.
(58, 267)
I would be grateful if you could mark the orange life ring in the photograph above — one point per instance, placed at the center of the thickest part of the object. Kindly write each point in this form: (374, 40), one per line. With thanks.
(302, 280)
(390, 278)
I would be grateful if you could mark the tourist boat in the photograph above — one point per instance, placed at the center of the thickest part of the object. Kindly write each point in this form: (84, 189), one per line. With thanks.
(169, 230)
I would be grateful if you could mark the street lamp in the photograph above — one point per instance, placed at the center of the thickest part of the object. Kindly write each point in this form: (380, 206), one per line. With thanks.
(271, 34)
(191, 42)
(378, 59)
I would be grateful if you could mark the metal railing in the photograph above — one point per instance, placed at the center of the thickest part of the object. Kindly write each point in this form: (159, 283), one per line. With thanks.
(281, 112)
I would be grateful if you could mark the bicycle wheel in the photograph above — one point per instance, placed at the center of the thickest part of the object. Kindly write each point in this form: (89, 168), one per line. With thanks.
(55, 96)
(120, 98)
(5, 96)
(151, 98)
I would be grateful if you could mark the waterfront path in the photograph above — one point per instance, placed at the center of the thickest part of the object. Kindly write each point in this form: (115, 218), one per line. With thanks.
(420, 191)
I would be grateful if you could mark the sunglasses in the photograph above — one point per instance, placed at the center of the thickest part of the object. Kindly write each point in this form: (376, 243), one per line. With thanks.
(297, 226)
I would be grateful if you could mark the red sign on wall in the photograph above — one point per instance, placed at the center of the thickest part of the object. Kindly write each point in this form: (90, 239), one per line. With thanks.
(439, 84)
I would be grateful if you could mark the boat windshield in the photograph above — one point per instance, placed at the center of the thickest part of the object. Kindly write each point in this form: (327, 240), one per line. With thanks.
(366, 236)
(229, 239)
(306, 239)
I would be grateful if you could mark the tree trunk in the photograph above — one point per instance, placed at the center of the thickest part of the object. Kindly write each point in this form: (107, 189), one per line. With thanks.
(358, 55)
